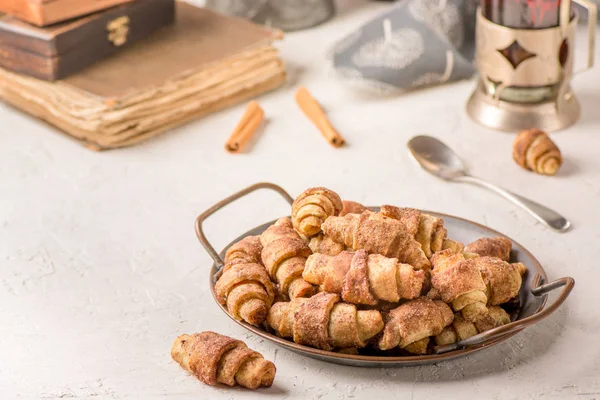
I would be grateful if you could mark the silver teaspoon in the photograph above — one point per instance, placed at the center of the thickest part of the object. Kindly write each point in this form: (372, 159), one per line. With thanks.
(438, 159)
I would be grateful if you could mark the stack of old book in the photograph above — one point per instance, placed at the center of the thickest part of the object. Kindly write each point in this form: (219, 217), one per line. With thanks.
(132, 71)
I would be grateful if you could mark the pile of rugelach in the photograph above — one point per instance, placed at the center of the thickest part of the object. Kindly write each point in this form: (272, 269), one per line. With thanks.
(340, 277)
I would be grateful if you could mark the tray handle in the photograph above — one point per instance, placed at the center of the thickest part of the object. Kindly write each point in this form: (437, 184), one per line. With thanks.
(566, 283)
(202, 217)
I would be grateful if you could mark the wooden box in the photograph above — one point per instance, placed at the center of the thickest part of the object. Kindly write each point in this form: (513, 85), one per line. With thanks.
(60, 50)
(47, 12)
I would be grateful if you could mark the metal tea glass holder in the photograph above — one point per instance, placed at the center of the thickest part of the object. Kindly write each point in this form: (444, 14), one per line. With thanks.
(525, 74)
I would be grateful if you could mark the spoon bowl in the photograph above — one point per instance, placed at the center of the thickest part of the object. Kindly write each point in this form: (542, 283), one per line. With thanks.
(436, 158)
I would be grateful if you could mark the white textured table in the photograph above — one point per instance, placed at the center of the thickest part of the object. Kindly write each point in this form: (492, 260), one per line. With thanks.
(100, 269)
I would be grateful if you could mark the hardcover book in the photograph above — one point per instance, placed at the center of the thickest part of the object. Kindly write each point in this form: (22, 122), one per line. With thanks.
(202, 63)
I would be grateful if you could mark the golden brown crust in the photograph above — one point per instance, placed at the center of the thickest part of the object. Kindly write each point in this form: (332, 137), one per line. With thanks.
(376, 234)
(534, 150)
(247, 291)
(368, 324)
(284, 249)
(342, 328)
(462, 329)
(323, 244)
(284, 254)
(241, 273)
(384, 262)
(312, 320)
(325, 323)
(433, 294)
(388, 282)
(419, 347)
(356, 287)
(446, 336)
(410, 283)
(415, 320)
(288, 276)
(473, 285)
(498, 247)
(245, 251)
(409, 217)
(312, 207)
(453, 245)
(453, 276)
(205, 350)
(503, 280)
(521, 144)
(256, 372)
(520, 267)
(231, 362)
(248, 302)
(499, 315)
(445, 259)
(363, 278)
(183, 353)
(216, 358)
(351, 207)
(281, 316)
(428, 230)
(275, 253)
(438, 238)
(328, 271)
(430, 234)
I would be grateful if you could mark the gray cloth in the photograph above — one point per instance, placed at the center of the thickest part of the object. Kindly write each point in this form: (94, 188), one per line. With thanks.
(417, 43)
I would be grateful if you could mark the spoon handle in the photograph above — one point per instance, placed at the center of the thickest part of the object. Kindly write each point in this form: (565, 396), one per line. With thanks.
(546, 216)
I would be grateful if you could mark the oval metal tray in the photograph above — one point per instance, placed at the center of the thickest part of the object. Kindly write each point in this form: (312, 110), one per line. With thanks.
(532, 296)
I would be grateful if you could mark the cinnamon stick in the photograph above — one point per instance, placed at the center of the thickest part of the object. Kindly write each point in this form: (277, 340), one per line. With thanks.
(312, 109)
(245, 129)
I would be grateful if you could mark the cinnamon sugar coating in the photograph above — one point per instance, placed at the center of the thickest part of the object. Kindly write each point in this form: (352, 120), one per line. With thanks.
(453, 245)
(453, 276)
(322, 321)
(461, 329)
(474, 286)
(498, 247)
(215, 358)
(369, 267)
(376, 234)
(503, 280)
(284, 254)
(247, 291)
(245, 251)
(351, 207)
(356, 287)
(431, 234)
(311, 321)
(363, 278)
(428, 230)
(409, 217)
(413, 321)
(323, 244)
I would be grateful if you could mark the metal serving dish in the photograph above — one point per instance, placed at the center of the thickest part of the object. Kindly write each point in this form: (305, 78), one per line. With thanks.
(533, 294)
